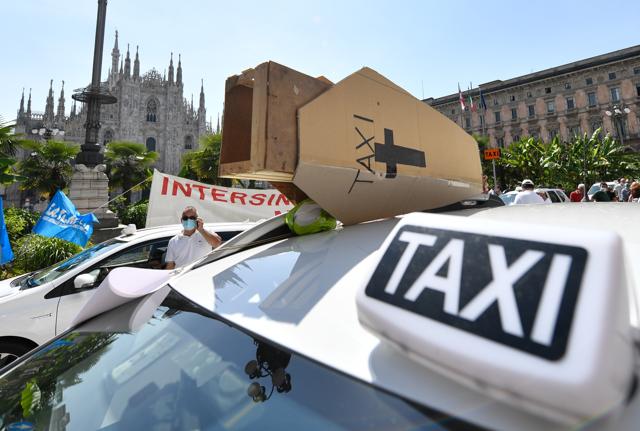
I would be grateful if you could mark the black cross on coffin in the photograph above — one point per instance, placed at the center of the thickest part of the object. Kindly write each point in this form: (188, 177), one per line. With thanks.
(393, 155)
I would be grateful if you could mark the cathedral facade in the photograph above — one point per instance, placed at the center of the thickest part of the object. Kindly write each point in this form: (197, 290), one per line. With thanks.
(151, 109)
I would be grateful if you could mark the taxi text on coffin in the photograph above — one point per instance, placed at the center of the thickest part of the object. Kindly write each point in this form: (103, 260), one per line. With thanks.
(362, 149)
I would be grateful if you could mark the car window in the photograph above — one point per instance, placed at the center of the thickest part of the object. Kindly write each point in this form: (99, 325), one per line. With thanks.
(183, 370)
(553, 196)
(53, 272)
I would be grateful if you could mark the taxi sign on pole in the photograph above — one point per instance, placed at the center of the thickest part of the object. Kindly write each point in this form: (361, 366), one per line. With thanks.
(492, 153)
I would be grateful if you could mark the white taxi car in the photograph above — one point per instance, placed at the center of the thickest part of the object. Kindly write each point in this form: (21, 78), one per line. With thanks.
(427, 321)
(37, 306)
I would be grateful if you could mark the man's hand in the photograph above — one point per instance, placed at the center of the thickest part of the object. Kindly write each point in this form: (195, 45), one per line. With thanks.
(199, 224)
(213, 239)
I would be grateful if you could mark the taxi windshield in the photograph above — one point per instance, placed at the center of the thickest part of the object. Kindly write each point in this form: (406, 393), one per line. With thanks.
(53, 272)
(184, 370)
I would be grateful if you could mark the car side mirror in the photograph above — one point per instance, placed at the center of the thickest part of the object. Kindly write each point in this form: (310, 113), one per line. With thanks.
(84, 280)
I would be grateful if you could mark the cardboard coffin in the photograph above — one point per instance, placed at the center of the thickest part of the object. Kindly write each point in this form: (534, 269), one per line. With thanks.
(363, 148)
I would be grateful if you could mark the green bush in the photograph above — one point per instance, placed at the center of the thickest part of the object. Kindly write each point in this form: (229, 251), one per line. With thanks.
(33, 252)
(136, 213)
(19, 222)
(118, 206)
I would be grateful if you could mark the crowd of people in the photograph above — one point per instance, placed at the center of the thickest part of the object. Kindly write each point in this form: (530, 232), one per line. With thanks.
(620, 190)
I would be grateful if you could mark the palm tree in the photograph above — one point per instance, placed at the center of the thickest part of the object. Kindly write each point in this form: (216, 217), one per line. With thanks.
(9, 144)
(128, 163)
(48, 168)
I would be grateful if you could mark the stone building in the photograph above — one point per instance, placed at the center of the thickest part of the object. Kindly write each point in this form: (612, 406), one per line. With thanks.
(151, 110)
(566, 100)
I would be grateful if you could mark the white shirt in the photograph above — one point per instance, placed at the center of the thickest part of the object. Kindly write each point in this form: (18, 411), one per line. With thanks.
(527, 197)
(183, 249)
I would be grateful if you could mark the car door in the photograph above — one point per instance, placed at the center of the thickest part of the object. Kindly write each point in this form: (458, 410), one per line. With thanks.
(142, 255)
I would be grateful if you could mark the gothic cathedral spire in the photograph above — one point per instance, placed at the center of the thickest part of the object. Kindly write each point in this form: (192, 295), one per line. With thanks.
(127, 65)
(179, 74)
(171, 69)
(115, 57)
(136, 66)
(48, 110)
(201, 104)
(60, 114)
(21, 110)
(29, 105)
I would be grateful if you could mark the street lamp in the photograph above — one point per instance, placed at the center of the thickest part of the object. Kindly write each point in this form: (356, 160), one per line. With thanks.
(616, 114)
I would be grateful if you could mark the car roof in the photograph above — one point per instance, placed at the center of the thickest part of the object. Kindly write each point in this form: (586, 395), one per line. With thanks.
(300, 293)
(173, 229)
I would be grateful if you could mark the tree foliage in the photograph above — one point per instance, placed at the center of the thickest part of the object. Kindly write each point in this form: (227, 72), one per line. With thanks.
(202, 165)
(48, 168)
(584, 158)
(128, 163)
(9, 144)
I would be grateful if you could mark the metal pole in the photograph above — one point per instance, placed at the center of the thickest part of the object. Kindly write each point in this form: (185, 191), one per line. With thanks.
(90, 154)
(495, 181)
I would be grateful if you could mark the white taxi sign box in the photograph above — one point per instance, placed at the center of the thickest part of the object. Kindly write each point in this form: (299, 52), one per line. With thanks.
(362, 148)
(537, 318)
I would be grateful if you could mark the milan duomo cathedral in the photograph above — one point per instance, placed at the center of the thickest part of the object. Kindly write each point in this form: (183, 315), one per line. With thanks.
(151, 109)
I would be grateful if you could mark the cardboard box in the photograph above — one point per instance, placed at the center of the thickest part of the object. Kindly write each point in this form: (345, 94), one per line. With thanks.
(363, 148)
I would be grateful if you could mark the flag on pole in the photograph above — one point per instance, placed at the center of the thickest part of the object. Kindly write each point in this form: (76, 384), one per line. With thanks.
(6, 254)
(462, 105)
(62, 220)
(483, 103)
(471, 105)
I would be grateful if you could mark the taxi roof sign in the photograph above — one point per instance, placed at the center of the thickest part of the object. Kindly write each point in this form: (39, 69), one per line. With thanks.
(492, 153)
(514, 312)
(362, 148)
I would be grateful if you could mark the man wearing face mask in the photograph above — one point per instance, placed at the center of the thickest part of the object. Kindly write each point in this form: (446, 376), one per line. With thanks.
(192, 243)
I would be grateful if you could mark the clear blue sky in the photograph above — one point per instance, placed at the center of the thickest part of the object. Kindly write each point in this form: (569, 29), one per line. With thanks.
(426, 46)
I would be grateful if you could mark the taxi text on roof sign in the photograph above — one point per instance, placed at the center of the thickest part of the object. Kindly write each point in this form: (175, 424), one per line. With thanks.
(492, 153)
(524, 315)
(362, 148)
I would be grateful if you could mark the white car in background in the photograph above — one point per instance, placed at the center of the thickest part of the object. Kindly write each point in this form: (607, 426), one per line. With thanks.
(37, 306)
(557, 196)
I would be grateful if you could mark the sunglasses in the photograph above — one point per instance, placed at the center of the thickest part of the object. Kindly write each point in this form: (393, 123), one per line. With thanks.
(189, 218)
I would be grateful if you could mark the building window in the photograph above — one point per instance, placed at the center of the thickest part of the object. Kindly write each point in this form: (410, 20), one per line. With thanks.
(595, 125)
(636, 70)
(529, 94)
(188, 142)
(570, 103)
(567, 86)
(497, 114)
(512, 98)
(108, 137)
(514, 114)
(589, 81)
(574, 131)
(547, 90)
(638, 90)
(551, 107)
(151, 144)
(500, 142)
(453, 112)
(615, 94)
(516, 138)
(552, 134)
(152, 111)
(612, 75)
(467, 122)
(591, 99)
(532, 111)
(495, 101)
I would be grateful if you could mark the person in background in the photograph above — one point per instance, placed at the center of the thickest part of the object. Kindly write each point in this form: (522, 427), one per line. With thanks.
(625, 192)
(544, 196)
(527, 195)
(577, 194)
(602, 195)
(192, 243)
(634, 192)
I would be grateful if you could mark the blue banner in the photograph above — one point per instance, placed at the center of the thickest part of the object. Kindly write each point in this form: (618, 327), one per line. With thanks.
(62, 220)
(6, 254)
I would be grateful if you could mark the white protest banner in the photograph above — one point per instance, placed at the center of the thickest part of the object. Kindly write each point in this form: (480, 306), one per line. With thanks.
(171, 194)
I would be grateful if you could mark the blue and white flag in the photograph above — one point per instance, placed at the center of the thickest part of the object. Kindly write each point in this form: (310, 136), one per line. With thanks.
(62, 220)
(6, 254)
